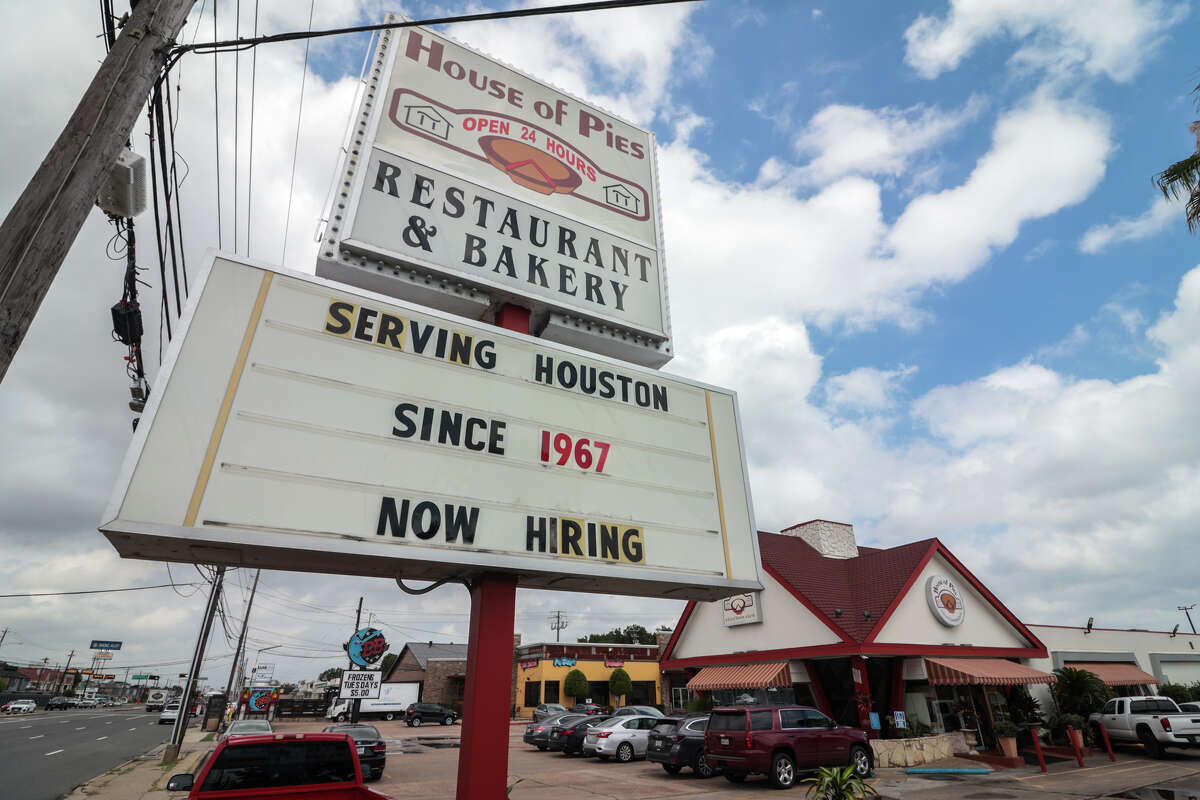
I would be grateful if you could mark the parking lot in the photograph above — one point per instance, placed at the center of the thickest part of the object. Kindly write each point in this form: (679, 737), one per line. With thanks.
(423, 763)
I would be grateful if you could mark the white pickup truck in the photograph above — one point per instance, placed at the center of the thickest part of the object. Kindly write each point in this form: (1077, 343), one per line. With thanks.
(1156, 722)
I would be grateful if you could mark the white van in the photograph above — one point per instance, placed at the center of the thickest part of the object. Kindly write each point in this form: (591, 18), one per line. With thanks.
(394, 698)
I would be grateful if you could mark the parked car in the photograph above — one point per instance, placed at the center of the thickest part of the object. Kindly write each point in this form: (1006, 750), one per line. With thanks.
(679, 743)
(20, 707)
(548, 710)
(1154, 721)
(58, 703)
(625, 737)
(555, 733)
(88, 702)
(781, 741)
(316, 766)
(587, 708)
(247, 727)
(169, 713)
(571, 738)
(538, 733)
(429, 712)
(643, 711)
(372, 749)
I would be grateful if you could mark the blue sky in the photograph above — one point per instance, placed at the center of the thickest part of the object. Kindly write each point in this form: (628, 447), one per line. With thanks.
(919, 239)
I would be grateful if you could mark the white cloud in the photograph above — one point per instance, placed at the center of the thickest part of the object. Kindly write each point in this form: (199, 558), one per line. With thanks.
(1112, 37)
(866, 388)
(1154, 220)
(855, 140)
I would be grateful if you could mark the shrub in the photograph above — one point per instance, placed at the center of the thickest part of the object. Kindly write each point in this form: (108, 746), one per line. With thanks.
(1005, 729)
(619, 683)
(1057, 724)
(838, 783)
(1175, 691)
(1024, 707)
(576, 685)
(1078, 691)
(699, 702)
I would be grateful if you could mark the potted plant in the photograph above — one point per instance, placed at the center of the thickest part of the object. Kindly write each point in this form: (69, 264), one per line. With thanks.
(1074, 723)
(1006, 735)
(838, 783)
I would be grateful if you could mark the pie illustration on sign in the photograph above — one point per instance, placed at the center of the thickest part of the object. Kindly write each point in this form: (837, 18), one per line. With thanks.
(528, 166)
(949, 601)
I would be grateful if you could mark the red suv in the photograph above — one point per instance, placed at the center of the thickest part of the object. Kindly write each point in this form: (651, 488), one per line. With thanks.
(781, 741)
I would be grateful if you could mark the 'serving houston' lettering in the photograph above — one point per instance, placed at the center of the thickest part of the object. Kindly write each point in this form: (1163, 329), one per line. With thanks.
(583, 268)
(599, 382)
(352, 321)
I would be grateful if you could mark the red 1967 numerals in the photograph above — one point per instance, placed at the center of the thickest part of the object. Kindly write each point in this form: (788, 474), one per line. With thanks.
(588, 454)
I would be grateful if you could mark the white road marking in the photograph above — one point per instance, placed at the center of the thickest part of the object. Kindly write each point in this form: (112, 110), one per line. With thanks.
(39, 736)
(109, 722)
(133, 729)
(23, 727)
(82, 728)
(102, 738)
(53, 752)
(64, 722)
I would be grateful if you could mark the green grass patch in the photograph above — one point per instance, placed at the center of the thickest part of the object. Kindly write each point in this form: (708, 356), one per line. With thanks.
(209, 738)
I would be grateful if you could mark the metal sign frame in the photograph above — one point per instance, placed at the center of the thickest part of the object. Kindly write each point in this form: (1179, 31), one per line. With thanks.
(426, 282)
(305, 553)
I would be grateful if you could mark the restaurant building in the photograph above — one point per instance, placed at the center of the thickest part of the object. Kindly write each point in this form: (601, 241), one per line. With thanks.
(541, 670)
(875, 638)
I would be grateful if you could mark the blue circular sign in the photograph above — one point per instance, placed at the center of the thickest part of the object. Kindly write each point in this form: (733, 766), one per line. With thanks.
(366, 647)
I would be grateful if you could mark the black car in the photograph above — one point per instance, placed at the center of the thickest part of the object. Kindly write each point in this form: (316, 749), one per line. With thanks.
(429, 712)
(372, 749)
(548, 710)
(570, 740)
(538, 733)
(587, 708)
(59, 703)
(678, 743)
(554, 735)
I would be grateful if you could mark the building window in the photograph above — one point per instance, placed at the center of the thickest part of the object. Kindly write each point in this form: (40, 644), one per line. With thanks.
(642, 694)
(551, 691)
(680, 697)
(533, 693)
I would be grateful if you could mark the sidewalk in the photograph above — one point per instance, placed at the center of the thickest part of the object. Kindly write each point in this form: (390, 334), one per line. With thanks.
(144, 778)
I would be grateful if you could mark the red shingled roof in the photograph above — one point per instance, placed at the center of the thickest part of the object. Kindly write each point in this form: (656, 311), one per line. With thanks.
(870, 582)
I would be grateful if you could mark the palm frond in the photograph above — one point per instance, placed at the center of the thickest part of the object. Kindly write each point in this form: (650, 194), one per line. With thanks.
(1181, 181)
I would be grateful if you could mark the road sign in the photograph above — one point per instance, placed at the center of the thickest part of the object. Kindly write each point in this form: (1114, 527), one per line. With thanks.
(471, 181)
(101, 644)
(103, 655)
(309, 426)
(361, 684)
(140, 677)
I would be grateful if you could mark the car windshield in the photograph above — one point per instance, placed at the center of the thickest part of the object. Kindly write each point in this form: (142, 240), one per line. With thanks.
(727, 721)
(1159, 706)
(250, 726)
(359, 733)
(666, 726)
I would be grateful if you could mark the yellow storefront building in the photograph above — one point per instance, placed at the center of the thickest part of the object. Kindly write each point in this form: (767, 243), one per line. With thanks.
(540, 673)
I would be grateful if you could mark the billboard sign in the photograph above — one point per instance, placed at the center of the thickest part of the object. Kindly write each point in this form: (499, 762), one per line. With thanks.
(309, 426)
(103, 655)
(361, 684)
(500, 186)
(101, 644)
(366, 646)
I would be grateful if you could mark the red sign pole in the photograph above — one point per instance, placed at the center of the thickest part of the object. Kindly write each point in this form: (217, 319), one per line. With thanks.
(483, 753)
(1037, 746)
(1107, 743)
(1075, 745)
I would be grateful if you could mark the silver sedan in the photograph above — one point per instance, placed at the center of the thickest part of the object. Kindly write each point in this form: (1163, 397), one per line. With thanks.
(625, 738)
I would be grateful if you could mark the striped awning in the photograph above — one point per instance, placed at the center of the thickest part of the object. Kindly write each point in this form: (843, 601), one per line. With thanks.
(983, 671)
(1116, 673)
(742, 676)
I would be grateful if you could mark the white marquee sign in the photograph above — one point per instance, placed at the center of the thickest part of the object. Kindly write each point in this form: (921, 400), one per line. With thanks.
(469, 182)
(309, 426)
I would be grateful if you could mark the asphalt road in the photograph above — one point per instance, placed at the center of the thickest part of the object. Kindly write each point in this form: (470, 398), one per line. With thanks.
(47, 754)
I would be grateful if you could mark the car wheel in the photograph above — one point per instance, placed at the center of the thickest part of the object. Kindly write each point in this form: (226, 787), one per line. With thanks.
(783, 771)
(735, 777)
(860, 761)
(415, 722)
(701, 767)
(672, 769)
(625, 753)
(448, 721)
(1153, 748)
(341, 717)
(389, 716)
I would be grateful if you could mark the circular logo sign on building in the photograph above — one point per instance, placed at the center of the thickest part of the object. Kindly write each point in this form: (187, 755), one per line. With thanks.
(945, 600)
(366, 647)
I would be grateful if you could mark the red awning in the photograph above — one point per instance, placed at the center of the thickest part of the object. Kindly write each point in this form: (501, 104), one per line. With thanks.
(1116, 673)
(742, 676)
(983, 671)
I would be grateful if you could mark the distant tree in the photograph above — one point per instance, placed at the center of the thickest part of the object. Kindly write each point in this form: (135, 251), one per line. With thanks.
(576, 685)
(387, 662)
(330, 674)
(1181, 180)
(619, 684)
(631, 634)
(1175, 691)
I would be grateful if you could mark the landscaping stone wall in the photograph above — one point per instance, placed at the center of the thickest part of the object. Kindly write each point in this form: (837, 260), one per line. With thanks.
(912, 752)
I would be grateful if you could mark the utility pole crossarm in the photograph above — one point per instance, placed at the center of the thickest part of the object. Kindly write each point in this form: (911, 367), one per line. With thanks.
(43, 223)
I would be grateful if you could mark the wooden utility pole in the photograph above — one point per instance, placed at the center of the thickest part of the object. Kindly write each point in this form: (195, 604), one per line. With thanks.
(43, 223)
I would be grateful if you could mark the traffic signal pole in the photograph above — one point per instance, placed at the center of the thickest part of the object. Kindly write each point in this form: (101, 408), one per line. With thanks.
(42, 225)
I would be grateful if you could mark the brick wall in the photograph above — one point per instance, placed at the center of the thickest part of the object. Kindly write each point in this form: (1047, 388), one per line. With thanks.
(440, 685)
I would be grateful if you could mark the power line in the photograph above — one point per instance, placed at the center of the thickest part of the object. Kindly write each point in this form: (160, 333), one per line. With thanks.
(287, 220)
(98, 591)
